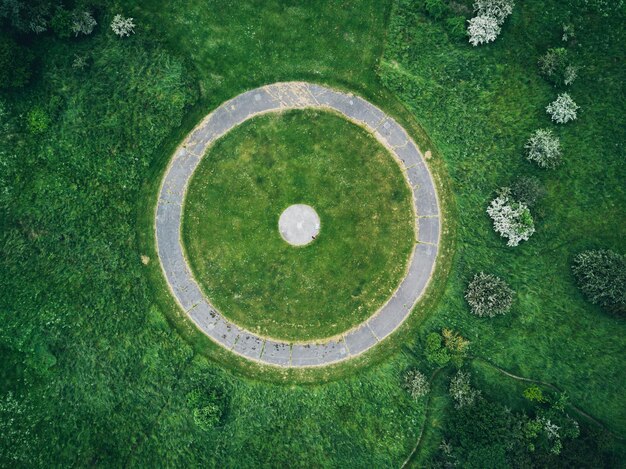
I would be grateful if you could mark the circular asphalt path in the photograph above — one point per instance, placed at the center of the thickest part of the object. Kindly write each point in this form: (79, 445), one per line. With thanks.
(276, 98)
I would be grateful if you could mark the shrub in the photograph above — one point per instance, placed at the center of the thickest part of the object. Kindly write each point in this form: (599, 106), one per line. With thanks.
(511, 219)
(534, 393)
(555, 66)
(38, 121)
(527, 190)
(462, 391)
(61, 22)
(482, 29)
(416, 384)
(544, 148)
(601, 275)
(568, 32)
(435, 351)
(83, 23)
(15, 63)
(123, 26)
(206, 409)
(488, 295)
(562, 109)
(497, 9)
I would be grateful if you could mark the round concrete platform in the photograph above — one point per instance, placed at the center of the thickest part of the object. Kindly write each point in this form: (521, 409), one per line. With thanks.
(279, 97)
(299, 224)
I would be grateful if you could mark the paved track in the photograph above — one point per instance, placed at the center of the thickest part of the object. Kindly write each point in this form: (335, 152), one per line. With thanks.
(275, 98)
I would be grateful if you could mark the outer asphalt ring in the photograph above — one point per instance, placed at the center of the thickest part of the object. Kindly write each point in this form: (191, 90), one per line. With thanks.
(275, 98)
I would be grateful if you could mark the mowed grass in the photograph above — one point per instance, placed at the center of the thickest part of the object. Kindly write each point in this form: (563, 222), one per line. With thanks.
(230, 225)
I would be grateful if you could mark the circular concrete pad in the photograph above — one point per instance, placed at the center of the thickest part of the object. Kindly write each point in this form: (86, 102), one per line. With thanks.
(299, 224)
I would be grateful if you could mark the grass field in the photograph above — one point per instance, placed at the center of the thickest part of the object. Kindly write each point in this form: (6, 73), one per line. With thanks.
(99, 368)
(230, 225)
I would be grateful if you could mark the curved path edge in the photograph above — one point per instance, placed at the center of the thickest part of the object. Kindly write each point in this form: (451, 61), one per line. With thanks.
(276, 98)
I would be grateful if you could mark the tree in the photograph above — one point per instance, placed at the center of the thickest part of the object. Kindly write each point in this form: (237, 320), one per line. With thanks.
(416, 384)
(562, 109)
(511, 219)
(462, 391)
(527, 190)
(601, 275)
(448, 346)
(482, 29)
(544, 148)
(488, 295)
(15, 64)
(83, 22)
(497, 9)
(123, 26)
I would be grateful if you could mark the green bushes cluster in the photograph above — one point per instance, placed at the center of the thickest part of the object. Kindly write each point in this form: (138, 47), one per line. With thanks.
(601, 275)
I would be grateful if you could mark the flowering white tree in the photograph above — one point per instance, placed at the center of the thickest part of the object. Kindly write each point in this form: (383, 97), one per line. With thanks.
(562, 109)
(489, 295)
(482, 29)
(510, 218)
(498, 9)
(544, 148)
(83, 23)
(462, 391)
(416, 384)
(123, 26)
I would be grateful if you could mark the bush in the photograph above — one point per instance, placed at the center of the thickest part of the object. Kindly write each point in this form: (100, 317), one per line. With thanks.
(206, 409)
(601, 275)
(83, 23)
(527, 190)
(38, 121)
(445, 347)
(512, 219)
(462, 391)
(562, 109)
(436, 353)
(488, 295)
(416, 384)
(482, 29)
(61, 22)
(15, 64)
(544, 148)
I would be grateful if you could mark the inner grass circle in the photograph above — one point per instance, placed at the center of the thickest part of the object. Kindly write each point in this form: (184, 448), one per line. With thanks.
(241, 261)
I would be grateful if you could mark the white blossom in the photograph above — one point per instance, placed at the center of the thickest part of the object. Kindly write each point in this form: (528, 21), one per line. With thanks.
(482, 29)
(123, 26)
(510, 218)
(544, 148)
(497, 9)
(562, 109)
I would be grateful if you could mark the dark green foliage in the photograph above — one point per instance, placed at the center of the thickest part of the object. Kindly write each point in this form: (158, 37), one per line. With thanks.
(457, 27)
(528, 190)
(601, 275)
(61, 22)
(15, 64)
(436, 353)
(556, 66)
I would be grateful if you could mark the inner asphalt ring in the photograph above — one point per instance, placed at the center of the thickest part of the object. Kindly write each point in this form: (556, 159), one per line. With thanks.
(279, 97)
(299, 224)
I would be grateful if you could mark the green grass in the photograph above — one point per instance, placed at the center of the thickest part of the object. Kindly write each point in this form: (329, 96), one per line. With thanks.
(97, 357)
(230, 225)
(480, 105)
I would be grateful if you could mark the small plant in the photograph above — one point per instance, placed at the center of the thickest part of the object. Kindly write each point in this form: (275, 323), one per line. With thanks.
(80, 61)
(544, 148)
(38, 121)
(568, 32)
(123, 26)
(488, 295)
(482, 29)
(601, 275)
(562, 109)
(206, 410)
(527, 190)
(462, 391)
(416, 384)
(83, 23)
(512, 219)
